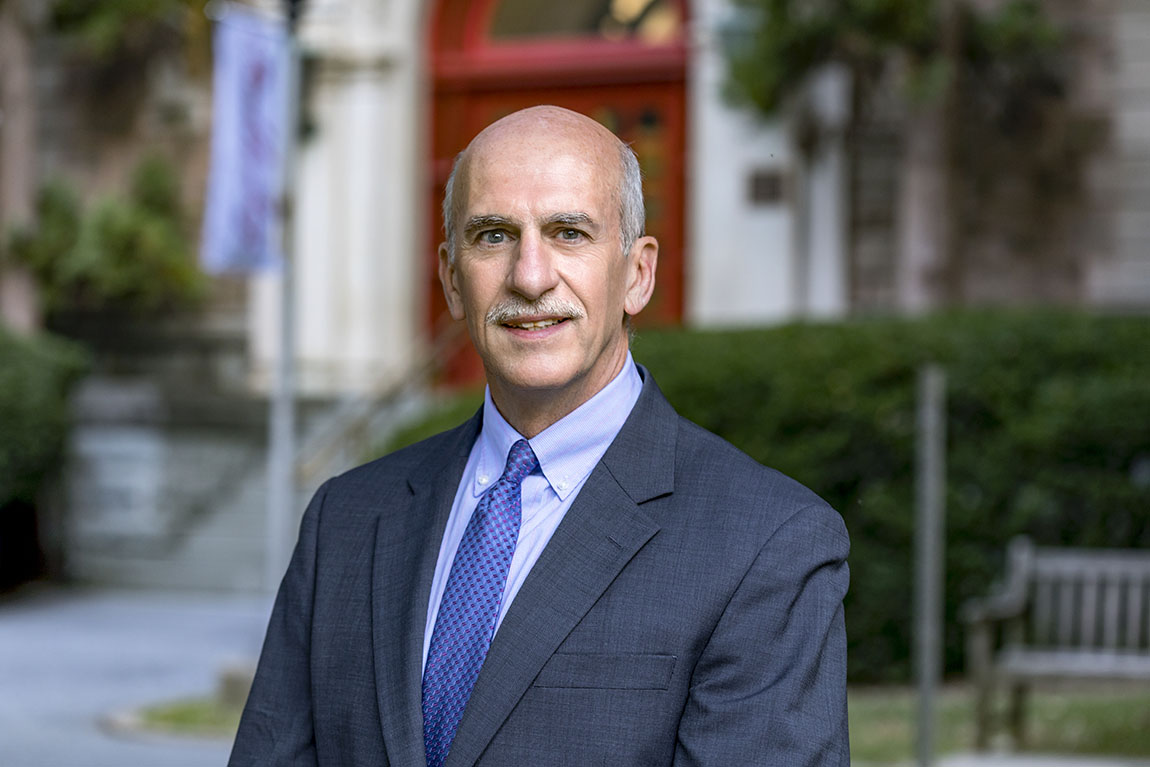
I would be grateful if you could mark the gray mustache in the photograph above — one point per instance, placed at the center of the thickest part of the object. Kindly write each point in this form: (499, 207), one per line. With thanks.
(512, 309)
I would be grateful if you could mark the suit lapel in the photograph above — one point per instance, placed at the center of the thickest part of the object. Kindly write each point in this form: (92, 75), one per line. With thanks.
(407, 546)
(601, 532)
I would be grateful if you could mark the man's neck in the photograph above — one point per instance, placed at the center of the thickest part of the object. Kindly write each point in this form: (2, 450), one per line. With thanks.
(532, 412)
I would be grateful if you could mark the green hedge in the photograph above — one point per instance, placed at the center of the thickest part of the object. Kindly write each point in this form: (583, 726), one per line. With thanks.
(35, 375)
(1049, 434)
(447, 413)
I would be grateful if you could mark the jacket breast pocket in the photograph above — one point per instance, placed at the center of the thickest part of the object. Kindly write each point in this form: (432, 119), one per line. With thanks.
(607, 671)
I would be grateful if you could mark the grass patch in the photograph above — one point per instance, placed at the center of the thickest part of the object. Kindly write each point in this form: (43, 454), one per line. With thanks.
(1095, 721)
(882, 723)
(206, 717)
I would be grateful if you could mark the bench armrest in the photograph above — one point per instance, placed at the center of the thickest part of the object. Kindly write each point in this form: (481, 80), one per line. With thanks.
(992, 609)
(1009, 599)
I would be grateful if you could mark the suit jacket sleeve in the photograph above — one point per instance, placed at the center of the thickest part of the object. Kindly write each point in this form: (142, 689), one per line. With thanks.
(276, 728)
(770, 685)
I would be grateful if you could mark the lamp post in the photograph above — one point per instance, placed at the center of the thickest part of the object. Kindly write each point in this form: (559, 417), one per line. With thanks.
(293, 8)
(282, 418)
(930, 551)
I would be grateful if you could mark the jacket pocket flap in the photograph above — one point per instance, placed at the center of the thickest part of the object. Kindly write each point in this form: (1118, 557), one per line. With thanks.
(607, 671)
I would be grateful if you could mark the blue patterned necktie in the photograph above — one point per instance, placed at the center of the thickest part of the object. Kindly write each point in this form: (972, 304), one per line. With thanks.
(470, 605)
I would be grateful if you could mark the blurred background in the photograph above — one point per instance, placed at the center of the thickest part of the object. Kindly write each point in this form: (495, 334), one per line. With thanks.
(843, 191)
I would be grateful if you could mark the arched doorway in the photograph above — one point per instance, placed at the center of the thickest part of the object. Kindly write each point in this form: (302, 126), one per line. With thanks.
(622, 62)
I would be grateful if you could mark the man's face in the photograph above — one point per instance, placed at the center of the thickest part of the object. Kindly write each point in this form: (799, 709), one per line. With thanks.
(539, 273)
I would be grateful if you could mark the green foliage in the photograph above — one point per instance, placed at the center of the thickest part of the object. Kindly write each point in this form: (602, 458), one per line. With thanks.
(449, 414)
(45, 248)
(127, 253)
(207, 717)
(34, 378)
(781, 42)
(1048, 434)
(785, 40)
(1013, 64)
(1017, 30)
(106, 28)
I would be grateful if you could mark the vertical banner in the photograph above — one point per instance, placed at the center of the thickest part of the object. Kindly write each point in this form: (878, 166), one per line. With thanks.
(250, 83)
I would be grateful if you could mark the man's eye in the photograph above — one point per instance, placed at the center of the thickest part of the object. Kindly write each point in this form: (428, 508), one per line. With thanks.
(570, 234)
(493, 236)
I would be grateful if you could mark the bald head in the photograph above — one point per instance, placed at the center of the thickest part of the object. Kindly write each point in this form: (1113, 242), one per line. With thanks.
(545, 130)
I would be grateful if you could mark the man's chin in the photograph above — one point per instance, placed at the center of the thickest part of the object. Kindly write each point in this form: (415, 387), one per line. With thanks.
(536, 383)
(536, 376)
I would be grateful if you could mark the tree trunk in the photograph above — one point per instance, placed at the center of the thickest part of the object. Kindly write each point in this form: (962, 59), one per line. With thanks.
(929, 275)
(923, 213)
(19, 307)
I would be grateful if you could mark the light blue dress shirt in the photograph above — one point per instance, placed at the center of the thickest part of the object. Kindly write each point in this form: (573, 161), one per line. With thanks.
(567, 451)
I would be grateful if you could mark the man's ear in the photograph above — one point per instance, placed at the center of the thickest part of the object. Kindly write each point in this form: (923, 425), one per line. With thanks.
(643, 259)
(449, 278)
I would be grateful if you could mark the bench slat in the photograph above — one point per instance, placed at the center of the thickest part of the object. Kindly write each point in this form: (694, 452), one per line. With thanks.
(1112, 609)
(1140, 623)
(1064, 563)
(1088, 610)
(1135, 596)
(1043, 611)
(1066, 589)
(1076, 664)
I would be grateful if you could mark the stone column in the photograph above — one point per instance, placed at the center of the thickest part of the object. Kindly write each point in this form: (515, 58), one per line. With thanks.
(359, 205)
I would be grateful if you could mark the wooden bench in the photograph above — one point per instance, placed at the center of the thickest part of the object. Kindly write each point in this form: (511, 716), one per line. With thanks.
(1061, 613)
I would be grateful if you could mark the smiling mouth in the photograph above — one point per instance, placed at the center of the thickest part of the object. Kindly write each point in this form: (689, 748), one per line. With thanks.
(534, 324)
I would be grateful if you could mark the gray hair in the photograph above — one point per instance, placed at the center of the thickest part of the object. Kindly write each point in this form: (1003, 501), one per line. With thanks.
(632, 214)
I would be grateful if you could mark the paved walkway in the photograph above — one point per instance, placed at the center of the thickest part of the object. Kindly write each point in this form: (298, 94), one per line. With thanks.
(68, 659)
(1036, 760)
(1028, 760)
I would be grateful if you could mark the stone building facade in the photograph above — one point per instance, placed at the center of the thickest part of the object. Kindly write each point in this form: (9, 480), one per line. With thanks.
(1059, 223)
(762, 230)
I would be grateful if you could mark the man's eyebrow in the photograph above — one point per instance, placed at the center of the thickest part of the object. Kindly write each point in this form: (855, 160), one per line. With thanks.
(475, 223)
(577, 218)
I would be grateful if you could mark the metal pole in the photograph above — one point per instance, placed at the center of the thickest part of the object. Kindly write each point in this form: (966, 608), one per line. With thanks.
(930, 549)
(281, 422)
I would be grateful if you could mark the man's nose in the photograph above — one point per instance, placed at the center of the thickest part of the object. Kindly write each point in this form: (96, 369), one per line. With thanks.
(533, 270)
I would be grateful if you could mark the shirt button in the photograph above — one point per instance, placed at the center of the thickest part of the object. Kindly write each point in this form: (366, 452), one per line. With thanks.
(562, 485)
(481, 480)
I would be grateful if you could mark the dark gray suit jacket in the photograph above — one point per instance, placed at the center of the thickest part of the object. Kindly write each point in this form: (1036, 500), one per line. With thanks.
(687, 611)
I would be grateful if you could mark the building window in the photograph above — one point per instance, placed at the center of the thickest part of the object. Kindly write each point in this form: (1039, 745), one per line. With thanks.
(653, 22)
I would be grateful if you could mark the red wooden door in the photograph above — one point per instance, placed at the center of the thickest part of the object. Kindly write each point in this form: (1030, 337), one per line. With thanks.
(633, 86)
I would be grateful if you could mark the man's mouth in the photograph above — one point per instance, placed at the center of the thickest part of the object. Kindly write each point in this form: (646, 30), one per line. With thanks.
(517, 313)
(534, 324)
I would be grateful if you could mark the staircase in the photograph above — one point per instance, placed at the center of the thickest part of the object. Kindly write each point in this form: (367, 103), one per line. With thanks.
(165, 483)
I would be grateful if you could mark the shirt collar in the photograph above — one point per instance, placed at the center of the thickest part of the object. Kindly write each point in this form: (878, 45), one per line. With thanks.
(567, 449)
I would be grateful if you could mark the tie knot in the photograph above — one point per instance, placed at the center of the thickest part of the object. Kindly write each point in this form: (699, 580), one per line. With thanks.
(521, 461)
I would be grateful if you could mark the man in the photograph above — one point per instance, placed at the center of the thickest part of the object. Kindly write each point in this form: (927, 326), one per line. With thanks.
(575, 576)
